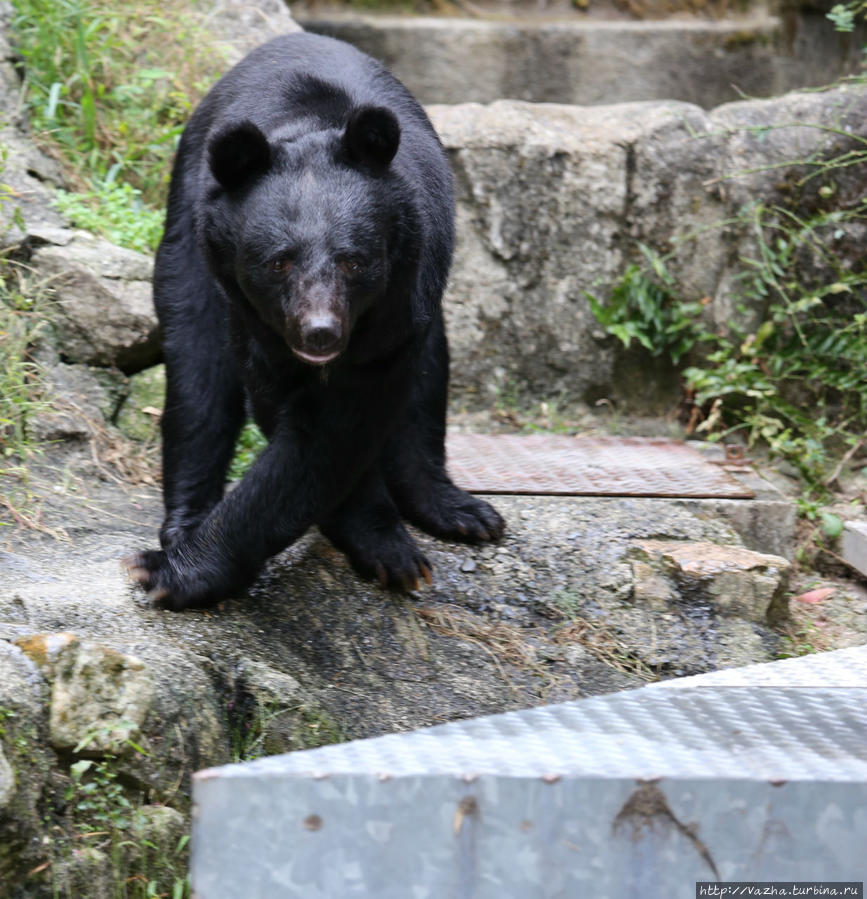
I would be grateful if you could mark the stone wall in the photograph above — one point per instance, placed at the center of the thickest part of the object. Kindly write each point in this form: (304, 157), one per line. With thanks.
(553, 200)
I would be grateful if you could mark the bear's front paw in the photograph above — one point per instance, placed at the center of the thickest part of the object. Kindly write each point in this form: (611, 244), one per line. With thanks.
(474, 521)
(394, 563)
(389, 556)
(171, 584)
(399, 567)
(451, 514)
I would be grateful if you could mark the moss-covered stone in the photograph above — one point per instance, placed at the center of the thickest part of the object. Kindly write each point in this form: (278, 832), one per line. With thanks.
(139, 416)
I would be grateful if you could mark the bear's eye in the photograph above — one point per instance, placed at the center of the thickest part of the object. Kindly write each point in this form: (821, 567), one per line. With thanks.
(351, 265)
(282, 265)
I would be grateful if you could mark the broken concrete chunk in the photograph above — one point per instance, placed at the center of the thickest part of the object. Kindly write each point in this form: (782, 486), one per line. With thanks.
(99, 697)
(732, 580)
(854, 545)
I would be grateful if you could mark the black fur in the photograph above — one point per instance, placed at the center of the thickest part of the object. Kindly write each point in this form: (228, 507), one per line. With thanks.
(308, 240)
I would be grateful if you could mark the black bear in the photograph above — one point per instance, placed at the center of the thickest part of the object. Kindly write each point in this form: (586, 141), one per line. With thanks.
(308, 240)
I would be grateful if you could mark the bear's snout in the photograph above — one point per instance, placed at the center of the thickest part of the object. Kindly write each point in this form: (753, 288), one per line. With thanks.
(321, 336)
(317, 336)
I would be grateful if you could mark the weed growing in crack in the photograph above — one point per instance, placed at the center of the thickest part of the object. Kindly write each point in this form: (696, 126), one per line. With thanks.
(261, 728)
(794, 380)
(110, 833)
(644, 306)
(23, 321)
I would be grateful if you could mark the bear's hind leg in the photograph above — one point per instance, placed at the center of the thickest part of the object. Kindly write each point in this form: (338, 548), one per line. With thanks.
(368, 529)
(414, 462)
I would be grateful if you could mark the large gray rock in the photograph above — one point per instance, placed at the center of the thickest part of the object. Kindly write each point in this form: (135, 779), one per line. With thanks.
(552, 200)
(99, 698)
(152, 705)
(103, 311)
(543, 200)
(79, 399)
(241, 25)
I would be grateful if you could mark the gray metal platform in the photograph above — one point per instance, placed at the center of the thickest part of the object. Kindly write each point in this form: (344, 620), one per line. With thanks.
(636, 794)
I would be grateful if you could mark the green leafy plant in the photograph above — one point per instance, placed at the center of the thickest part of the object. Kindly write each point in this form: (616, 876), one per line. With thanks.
(99, 799)
(105, 813)
(797, 643)
(845, 15)
(796, 381)
(116, 212)
(644, 306)
(301, 726)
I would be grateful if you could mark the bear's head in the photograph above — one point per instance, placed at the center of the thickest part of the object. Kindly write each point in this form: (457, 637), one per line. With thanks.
(307, 226)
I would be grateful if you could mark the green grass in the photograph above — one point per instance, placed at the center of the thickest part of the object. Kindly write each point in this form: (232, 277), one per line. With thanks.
(108, 89)
(794, 381)
(21, 322)
(116, 212)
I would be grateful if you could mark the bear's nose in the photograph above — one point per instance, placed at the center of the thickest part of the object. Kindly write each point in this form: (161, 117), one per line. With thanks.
(321, 334)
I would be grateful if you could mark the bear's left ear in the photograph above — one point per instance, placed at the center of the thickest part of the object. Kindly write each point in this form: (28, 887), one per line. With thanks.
(238, 154)
(372, 135)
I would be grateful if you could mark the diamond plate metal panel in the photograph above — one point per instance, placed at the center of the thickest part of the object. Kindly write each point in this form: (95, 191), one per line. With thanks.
(731, 732)
(544, 464)
(641, 793)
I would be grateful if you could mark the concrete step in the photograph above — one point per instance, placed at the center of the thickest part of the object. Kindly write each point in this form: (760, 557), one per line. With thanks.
(705, 478)
(588, 62)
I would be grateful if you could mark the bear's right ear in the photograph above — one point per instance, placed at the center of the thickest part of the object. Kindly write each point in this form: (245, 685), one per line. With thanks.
(238, 154)
(372, 136)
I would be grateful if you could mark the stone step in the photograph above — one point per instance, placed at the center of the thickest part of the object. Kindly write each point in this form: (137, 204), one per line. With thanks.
(702, 61)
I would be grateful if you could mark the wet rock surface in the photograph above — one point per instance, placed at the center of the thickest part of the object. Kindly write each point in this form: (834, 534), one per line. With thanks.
(583, 596)
(554, 611)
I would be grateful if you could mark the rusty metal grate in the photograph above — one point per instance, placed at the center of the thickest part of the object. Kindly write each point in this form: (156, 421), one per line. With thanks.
(545, 464)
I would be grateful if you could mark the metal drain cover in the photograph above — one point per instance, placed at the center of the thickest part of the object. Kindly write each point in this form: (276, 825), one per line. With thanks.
(544, 464)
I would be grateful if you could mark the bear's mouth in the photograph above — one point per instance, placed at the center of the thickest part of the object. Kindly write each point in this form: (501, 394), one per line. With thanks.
(315, 358)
